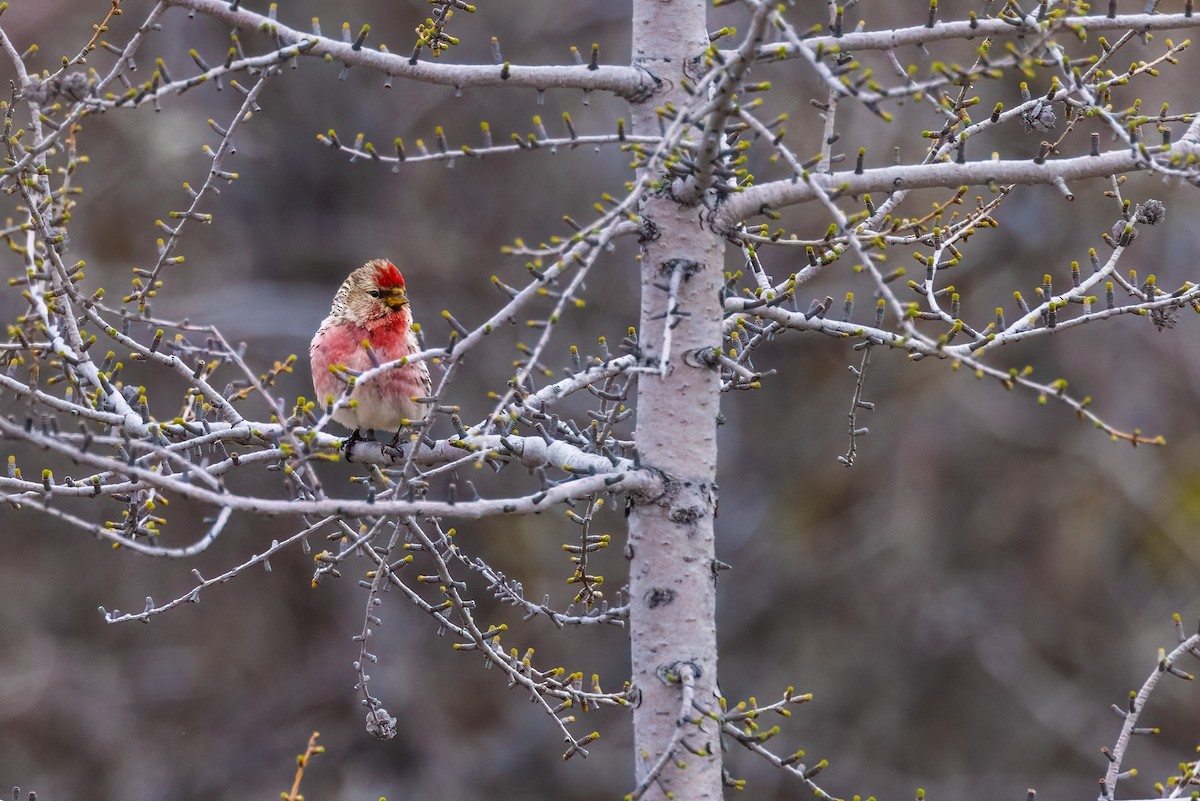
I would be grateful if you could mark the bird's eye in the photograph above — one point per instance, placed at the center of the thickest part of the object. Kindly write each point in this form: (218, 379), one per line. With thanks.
(373, 293)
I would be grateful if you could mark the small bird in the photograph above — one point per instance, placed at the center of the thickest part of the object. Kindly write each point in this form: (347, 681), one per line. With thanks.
(371, 307)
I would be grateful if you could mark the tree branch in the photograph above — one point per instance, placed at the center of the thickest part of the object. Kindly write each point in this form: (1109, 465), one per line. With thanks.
(623, 81)
(977, 28)
(777, 194)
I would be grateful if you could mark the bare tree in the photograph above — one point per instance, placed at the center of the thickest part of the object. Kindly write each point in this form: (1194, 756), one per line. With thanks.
(714, 178)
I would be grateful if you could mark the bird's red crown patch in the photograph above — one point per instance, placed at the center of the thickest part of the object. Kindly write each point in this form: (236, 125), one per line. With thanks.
(386, 274)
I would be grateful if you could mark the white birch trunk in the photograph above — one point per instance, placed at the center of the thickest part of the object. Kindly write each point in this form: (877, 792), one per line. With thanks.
(672, 583)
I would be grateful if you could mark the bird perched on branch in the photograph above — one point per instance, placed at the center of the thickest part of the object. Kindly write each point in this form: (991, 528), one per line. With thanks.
(370, 324)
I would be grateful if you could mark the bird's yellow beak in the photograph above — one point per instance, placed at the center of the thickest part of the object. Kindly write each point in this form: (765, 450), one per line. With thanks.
(395, 299)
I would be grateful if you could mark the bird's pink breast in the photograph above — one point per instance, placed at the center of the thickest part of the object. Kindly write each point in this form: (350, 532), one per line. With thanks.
(384, 398)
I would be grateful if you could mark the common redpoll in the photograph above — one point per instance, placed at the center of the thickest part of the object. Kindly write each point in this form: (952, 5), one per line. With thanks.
(370, 307)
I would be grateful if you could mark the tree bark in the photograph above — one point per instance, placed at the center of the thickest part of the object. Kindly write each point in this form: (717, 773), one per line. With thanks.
(671, 545)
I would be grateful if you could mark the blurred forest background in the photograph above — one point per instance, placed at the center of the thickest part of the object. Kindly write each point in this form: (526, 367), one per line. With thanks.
(965, 602)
